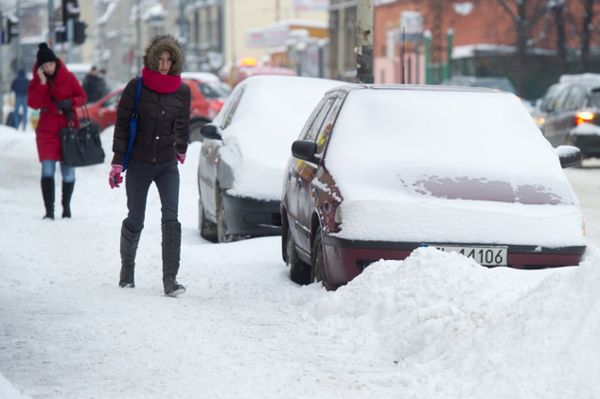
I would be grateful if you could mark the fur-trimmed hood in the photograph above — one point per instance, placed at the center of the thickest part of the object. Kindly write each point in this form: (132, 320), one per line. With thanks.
(155, 49)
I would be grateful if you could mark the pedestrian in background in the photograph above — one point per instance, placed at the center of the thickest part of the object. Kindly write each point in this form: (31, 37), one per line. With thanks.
(163, 130)
(19, 86)
(94, 85)
(56, 92)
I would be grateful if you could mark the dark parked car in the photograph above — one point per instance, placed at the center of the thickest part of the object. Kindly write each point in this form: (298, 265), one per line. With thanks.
(491, 82)
(243, 156)
(379, 171)
(571, 110)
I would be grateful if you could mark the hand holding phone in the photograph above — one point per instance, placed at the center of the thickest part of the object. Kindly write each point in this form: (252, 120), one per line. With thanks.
(41, 75)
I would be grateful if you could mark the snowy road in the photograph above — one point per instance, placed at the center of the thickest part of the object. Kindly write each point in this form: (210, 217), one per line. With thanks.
(435, 326)
(586, 183)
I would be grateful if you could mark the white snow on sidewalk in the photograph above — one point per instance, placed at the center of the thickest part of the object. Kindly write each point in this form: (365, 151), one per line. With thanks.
(433, 326)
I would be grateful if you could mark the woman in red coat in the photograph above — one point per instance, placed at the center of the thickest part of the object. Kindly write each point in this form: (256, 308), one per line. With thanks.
(56, 92)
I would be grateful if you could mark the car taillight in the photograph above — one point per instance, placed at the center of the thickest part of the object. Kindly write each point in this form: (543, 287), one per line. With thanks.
(584, 117)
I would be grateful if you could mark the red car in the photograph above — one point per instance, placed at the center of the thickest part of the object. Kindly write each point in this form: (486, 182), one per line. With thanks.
(379, 171)
(207, 100)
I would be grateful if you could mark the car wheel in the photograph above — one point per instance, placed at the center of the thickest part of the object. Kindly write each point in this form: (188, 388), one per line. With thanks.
(318, 272)
(208, 230)
(300, 272)
(195, 127)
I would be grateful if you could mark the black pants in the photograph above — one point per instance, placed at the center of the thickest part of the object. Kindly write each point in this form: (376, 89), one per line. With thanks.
(138, 179)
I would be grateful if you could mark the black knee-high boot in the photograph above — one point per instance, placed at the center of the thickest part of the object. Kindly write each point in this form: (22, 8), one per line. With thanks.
(48, 195)
(171, 251)
(67, 192)
(129, 244)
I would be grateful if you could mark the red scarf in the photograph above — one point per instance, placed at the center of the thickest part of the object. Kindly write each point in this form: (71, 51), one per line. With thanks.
(163, 84)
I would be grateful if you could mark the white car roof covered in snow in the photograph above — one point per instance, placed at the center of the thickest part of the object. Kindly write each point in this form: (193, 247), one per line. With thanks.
(268, 118)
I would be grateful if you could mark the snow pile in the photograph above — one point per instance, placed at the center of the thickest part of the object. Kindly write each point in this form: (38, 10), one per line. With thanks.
(7, 391)
(456, 329)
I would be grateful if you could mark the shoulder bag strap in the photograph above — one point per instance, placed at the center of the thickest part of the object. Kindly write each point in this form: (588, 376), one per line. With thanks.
(133, 122)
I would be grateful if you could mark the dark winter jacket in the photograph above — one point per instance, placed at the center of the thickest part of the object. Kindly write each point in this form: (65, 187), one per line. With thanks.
(63, 85)
(94, 86)
(164, 110)
(20, 84)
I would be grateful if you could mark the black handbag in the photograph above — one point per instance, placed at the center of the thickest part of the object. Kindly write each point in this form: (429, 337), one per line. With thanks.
(81, 147)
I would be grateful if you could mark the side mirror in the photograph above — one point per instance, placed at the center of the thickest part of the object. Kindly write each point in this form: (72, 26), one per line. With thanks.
(569, 155)
(211, 132)
(305, 150)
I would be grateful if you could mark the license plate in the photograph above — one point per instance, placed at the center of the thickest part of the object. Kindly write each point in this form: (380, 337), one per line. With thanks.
(487, 256)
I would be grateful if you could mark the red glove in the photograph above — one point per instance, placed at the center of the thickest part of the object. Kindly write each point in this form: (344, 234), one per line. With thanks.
(181, 158)
(114, 176)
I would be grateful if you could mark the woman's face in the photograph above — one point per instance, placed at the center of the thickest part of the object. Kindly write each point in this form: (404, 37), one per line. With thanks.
(164, 63)
(49, 68)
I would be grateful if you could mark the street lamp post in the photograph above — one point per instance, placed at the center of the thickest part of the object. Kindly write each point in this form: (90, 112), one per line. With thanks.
(364, 41)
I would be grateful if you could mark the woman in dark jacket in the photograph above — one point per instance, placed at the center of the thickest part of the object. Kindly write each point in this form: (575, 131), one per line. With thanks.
(56, 92)
(163, 129)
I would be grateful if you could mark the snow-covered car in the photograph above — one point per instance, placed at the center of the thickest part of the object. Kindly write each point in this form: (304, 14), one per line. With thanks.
(379, 171)
(244, 153)
(571, 112)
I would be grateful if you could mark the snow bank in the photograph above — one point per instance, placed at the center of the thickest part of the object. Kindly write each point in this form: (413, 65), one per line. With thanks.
(456, 329)
(7, 391)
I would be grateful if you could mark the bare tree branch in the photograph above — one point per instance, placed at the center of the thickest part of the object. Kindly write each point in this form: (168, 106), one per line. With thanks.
(540, 10)
(509, 10)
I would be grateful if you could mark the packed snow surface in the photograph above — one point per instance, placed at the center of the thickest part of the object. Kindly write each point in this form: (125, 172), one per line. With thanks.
(433, 326)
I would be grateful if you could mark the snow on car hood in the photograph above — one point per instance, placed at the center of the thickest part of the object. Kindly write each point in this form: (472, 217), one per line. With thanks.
(426, 165)
(269, 117)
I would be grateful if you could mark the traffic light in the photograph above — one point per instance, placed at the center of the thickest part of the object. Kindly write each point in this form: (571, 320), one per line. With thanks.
(12, 29)
(70, 10)
(79, 32)
(60, 34)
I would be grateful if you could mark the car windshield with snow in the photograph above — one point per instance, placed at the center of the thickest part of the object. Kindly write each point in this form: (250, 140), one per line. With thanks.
(381, 170)
(244, 154)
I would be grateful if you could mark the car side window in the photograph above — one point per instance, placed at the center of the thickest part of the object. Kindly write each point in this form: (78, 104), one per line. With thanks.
(309, 122)
(319, 118)
(549, 100)
(575, 99)
(327, 126)
(230, 112)
(561, 98)
(595, 98)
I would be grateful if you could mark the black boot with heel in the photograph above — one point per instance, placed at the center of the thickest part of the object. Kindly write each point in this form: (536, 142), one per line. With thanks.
(67, 192)
(171, 251)
(48, 195)
(129, 245)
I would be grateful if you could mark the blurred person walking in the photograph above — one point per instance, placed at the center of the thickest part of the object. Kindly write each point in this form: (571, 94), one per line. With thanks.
(94, 85)
(56, 92)
(161, 142)
(19, 86)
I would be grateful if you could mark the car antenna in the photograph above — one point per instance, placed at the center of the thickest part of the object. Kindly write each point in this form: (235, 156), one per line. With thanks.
(402, 81)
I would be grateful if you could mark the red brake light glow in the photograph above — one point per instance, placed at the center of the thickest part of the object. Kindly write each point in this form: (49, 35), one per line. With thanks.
(584, 117)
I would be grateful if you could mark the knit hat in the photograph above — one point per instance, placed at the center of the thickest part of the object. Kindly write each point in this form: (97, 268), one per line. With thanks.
(44, 54)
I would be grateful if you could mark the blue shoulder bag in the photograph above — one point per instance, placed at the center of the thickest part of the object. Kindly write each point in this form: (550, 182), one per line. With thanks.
(133, 123)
